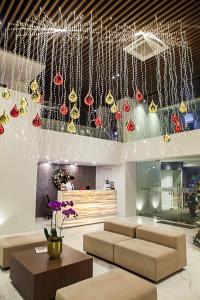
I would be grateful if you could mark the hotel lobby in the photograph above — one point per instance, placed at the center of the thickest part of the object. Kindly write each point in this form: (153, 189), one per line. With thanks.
(100, 160)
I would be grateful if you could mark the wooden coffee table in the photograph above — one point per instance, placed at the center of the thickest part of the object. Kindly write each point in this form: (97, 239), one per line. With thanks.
(37, 277)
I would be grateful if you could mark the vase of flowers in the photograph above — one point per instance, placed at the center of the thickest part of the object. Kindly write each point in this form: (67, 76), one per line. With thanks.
(54, 236)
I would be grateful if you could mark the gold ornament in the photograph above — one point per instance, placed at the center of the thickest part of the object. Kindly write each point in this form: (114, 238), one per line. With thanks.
(23, 102)
(75, 114)
(36, 97)
(4, 118)
(153, 107)
(34, 85)
(166, 138)
(6, 94)
(23, 111)
(113, 108)
(71, 127)
(183, 107)
(109, 98)
(72, 96)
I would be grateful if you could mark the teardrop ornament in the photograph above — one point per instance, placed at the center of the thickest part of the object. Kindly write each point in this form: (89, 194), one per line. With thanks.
(23, 102)
(14, 112)
(178, 128)
(6, 94)
(109, 98)
(126, 107)
(118, 115)
(98, 122)
(182, 107)
(138, 96)
(63, 109)
(23, 111)
(89, 100)
(75, 113)
(130, 126)
(166, 138)
(71, 127)
(4, 118)
(153, 108)
(113, 108)
(34, 85)
(175, 118)
(36, 97)
(72, 96)
(37, 122)
(58, 79)
(1, 129)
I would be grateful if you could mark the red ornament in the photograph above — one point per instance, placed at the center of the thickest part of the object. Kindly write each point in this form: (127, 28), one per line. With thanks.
(63, 110)
(178, 128)
(138, 96)
(130, 125)
(118, 115)
(58, 80)
(37, 122)
(126, 107)
(98, 122)
(14, 112)
(1, 129)
(89, 100)
(175, 118)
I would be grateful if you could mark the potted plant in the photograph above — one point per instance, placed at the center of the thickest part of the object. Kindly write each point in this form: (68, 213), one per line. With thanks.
(54, 236)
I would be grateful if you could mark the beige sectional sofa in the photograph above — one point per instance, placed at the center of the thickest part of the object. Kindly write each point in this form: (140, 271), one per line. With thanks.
(146, 250)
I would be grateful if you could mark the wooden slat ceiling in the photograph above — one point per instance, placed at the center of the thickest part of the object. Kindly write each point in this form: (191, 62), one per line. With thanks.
(113, 12)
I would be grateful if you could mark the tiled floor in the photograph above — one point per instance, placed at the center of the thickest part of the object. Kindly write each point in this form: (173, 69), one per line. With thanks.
(181, 286)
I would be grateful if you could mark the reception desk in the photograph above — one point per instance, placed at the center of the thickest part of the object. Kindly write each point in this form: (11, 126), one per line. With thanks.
(92, 206)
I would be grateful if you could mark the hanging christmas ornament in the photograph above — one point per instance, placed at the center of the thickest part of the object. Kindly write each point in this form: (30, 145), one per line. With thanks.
(166, 138)
(72, 96)
(98, 122)
(89, 100)
(58, 80)
(23, 102)
(6, 94)
(34, 85)
(71, 127)
(153, 107)
(126, 107)
(178, 128)
(118, 115)
(1, 129)
(175, 118)
(113, 108)
(36, 97)
(63, 110)
(109, 98)
(14, 112)
(37, 122)
(23, 111)
(75, 113)
(130, 126)
(138, 96)
(182, 107)
(4, 118)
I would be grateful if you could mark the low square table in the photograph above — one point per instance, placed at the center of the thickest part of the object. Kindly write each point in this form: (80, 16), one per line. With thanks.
(37, 277)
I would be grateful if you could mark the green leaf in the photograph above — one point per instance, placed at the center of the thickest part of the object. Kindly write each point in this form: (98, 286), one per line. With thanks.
(54, 232)
(46, 233)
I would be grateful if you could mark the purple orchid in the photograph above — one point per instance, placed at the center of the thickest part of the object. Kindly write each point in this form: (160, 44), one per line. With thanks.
(55, 205)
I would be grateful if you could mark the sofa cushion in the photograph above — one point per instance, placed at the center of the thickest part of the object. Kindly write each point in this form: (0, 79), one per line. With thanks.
(148, 259)
(101, 243)
(121, 227)
(126, 286)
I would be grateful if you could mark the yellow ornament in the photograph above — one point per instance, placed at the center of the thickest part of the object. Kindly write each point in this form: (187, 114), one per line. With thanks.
(153, 107)
(166, 138)
(23, 102)
(109, 98)
(36, 97)
(4, 118)
(75, 114)
(72, 96)
(183, 107)
(71, 127)
(34, 85)
(113, 108)
(23, 111)
(6, 94)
